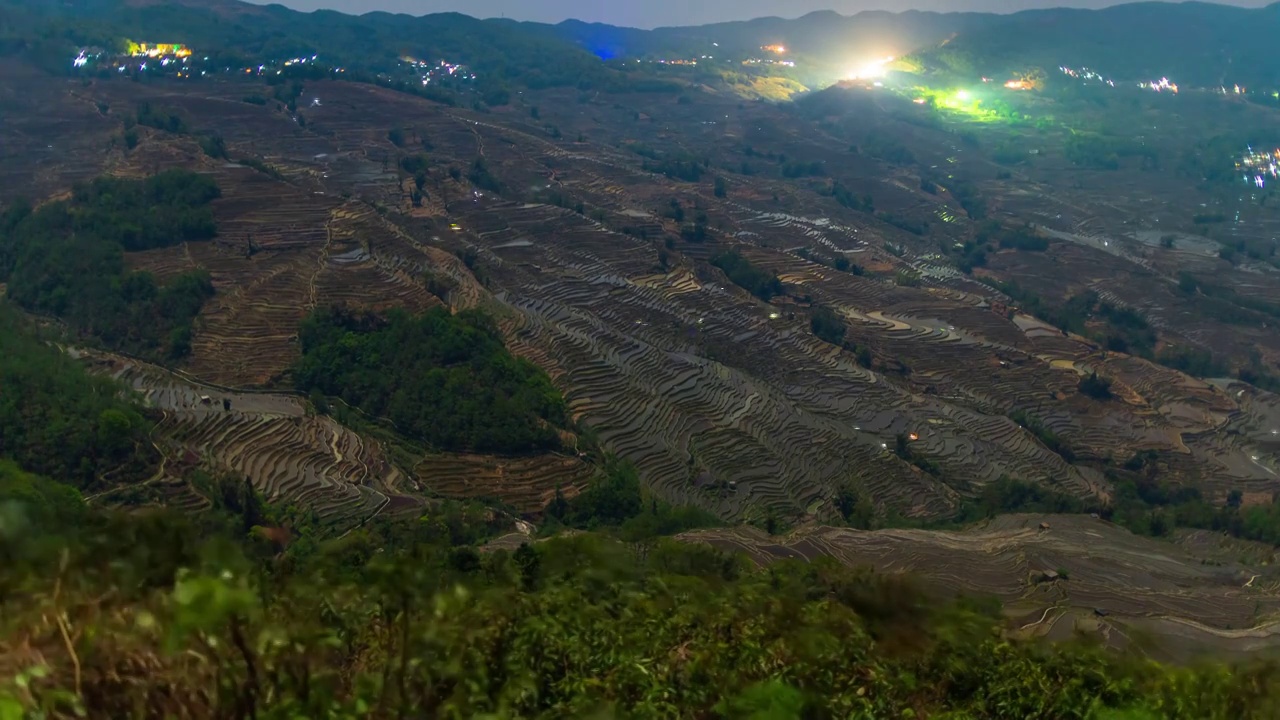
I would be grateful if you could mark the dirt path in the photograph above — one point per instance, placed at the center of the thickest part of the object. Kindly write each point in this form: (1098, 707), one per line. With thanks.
(324, 257)
(337, 454)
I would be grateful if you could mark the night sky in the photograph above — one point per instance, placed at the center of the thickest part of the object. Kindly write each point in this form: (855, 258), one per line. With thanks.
(652, 13)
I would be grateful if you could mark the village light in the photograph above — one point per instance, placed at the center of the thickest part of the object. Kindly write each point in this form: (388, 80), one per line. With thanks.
(872, 70)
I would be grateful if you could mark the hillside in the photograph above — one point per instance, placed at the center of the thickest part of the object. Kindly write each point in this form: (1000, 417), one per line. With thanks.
(1192, 43)
(591, 225)
(373, 43)
(444, 288)
(1058, 576)
(826, 38)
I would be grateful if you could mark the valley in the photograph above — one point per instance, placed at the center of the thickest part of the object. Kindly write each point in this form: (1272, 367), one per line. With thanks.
(701, 385)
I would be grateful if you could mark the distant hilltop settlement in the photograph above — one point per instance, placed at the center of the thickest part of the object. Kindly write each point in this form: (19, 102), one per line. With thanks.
(153, 51)
(159, 50)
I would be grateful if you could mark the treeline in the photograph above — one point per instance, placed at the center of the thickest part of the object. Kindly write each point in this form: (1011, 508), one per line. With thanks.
(67, 259)
(1141, 504)
(58, 421)
(444, 379)
(194, 617)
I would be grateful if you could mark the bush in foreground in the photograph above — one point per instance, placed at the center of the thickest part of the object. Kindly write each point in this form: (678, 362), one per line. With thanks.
(417, 623)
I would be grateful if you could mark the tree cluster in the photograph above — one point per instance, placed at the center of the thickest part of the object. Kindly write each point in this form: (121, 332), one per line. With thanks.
(67, 259)
(827, 325)
(846, 197)
(741, 272)
(440, 378)
(58, 421)
(688, 169)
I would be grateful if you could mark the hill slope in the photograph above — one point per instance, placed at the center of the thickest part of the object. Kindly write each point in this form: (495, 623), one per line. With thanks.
(1192, 43)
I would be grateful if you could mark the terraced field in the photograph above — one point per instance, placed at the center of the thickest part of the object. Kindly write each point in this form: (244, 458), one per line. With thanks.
(294, 456)
(289, 454)
(1062, 575)
(720, 399)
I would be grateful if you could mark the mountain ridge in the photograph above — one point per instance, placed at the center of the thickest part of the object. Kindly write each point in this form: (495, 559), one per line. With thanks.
(1193, 42)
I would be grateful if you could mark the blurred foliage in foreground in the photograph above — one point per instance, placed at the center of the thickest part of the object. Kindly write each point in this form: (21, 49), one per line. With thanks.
(151, 615)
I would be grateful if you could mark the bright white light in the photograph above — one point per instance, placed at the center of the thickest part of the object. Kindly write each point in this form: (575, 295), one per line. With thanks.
(874, 69)
(963, 95)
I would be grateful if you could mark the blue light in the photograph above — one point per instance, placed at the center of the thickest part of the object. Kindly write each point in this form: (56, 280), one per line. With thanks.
(604, 52)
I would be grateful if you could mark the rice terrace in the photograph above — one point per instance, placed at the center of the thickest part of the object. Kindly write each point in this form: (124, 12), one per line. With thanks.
(976, 316)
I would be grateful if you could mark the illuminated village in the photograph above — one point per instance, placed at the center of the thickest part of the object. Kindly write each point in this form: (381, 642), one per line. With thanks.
(160, 50)
(146, 55)
(1160, 85)
(1086, 75)
(430, 72)
(774, 50)
(1257, 168)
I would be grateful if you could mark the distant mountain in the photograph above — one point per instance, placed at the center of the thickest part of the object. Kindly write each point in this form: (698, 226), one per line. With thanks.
(827, 35)
(374, 41)
(1190, 43)
(1193, 43)
(1196, 44)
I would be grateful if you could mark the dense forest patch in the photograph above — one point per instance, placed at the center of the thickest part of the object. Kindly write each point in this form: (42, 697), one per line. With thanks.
(444, 379)
(741, 272)
(66, 259)
(57, 420)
